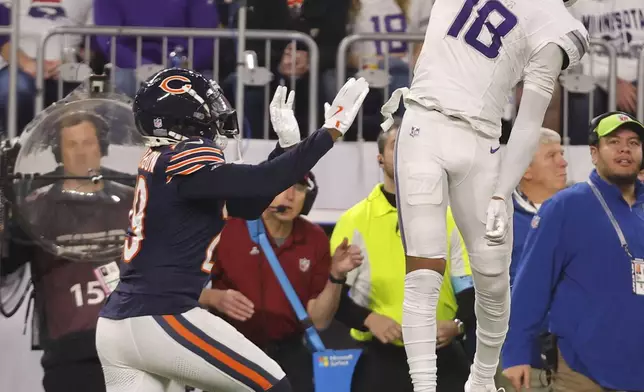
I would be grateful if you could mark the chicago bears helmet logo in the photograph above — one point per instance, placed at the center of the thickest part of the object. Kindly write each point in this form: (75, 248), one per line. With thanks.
(177, 87)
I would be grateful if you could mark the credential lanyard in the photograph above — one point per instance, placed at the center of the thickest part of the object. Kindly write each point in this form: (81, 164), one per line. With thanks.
(613, 221)
(258, 235)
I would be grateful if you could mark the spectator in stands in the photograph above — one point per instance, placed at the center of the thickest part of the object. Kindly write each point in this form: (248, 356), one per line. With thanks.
(386, 17)
(70, 214)
(618, 24)
(246, 292)
(374, 309)
(545, 176)
(575, 271)
(151, 13)
(324, 20)
(641, 176)
(36, 19)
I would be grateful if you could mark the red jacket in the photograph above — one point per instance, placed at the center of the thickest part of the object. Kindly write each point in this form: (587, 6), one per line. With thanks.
(241, 265)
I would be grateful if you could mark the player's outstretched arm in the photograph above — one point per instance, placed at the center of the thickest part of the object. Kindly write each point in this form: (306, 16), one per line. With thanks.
(539, 83)
(252, 183)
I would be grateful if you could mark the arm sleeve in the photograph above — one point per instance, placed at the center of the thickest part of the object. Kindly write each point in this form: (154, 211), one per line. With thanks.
(350, 313)
(539, 83)
(251, 208)
(203, 14)
(542, 264)
(263, 181)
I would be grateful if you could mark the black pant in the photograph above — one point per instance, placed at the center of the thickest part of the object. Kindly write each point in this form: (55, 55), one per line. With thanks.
(296, 361)
(85, 376)
(384, 368)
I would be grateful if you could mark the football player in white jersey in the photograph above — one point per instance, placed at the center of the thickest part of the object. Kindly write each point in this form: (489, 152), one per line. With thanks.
(474, 53)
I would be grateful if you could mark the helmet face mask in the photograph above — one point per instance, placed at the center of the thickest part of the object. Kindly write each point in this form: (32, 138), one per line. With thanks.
(569, 3)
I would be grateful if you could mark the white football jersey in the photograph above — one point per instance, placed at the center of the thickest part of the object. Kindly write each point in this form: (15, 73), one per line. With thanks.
(475, 52)
(38, 17)
(385, 16)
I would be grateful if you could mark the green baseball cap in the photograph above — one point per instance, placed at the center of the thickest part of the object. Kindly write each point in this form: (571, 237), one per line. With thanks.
(610, 122)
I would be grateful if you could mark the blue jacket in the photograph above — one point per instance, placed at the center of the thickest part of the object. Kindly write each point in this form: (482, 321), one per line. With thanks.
(574, 267)
(524, 211)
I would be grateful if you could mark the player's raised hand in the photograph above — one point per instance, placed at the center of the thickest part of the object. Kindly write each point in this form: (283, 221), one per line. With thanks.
(497, 222)
(345, 107)
(283, 118)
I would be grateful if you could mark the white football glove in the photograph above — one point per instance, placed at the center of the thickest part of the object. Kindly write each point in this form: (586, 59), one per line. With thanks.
(283, 118)
(497, 222)
(346, 105)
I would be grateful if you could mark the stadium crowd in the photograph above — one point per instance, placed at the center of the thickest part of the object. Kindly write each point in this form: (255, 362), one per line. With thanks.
(354, 306)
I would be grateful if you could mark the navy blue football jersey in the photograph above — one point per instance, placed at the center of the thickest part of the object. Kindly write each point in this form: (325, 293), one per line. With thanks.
(167, 256)
(178, 215)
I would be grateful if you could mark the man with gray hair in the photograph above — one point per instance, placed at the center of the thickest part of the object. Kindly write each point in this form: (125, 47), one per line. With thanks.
(545, 176)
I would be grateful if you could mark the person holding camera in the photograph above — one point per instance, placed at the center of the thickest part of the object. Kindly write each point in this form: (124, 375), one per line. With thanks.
(583, 268)
(66, 223)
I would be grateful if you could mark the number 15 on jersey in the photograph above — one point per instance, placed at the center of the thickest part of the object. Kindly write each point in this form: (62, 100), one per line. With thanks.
(505, 22)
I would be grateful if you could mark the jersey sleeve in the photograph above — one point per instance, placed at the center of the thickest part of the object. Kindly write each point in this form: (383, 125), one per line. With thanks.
(191, 158)
(554, 24)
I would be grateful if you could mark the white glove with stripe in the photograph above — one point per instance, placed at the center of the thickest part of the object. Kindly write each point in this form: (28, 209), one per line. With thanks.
(346, 105)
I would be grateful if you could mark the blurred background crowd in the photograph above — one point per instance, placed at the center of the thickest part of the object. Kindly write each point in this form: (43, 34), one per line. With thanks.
(310, 46)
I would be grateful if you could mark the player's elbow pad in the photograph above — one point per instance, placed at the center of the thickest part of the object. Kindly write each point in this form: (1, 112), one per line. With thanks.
(543, 70)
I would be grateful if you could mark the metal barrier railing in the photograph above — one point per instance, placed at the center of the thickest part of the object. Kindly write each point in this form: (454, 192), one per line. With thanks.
(191, 34)
(341, 59)
(611, 52)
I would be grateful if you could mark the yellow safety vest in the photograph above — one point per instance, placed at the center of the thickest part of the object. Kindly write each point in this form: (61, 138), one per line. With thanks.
(376, 220)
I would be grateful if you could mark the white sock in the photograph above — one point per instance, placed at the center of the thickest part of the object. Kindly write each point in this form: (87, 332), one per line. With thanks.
(422, 288)
(492, 307)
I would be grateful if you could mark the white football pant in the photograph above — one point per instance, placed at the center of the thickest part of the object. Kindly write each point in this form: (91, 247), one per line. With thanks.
(166, 353)
(441, 160)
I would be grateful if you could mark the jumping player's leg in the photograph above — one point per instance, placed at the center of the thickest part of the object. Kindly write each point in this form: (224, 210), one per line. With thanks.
(421, 193)
(199, 349)
(469, 197)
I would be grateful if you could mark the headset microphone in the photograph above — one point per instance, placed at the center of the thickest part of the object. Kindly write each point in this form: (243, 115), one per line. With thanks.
(280, 208)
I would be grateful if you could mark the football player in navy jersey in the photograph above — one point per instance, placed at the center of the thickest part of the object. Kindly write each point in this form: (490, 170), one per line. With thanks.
(152, 335)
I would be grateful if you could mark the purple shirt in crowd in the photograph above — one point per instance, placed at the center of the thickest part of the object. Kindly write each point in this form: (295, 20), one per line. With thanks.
(5, 20)
(155, 13)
